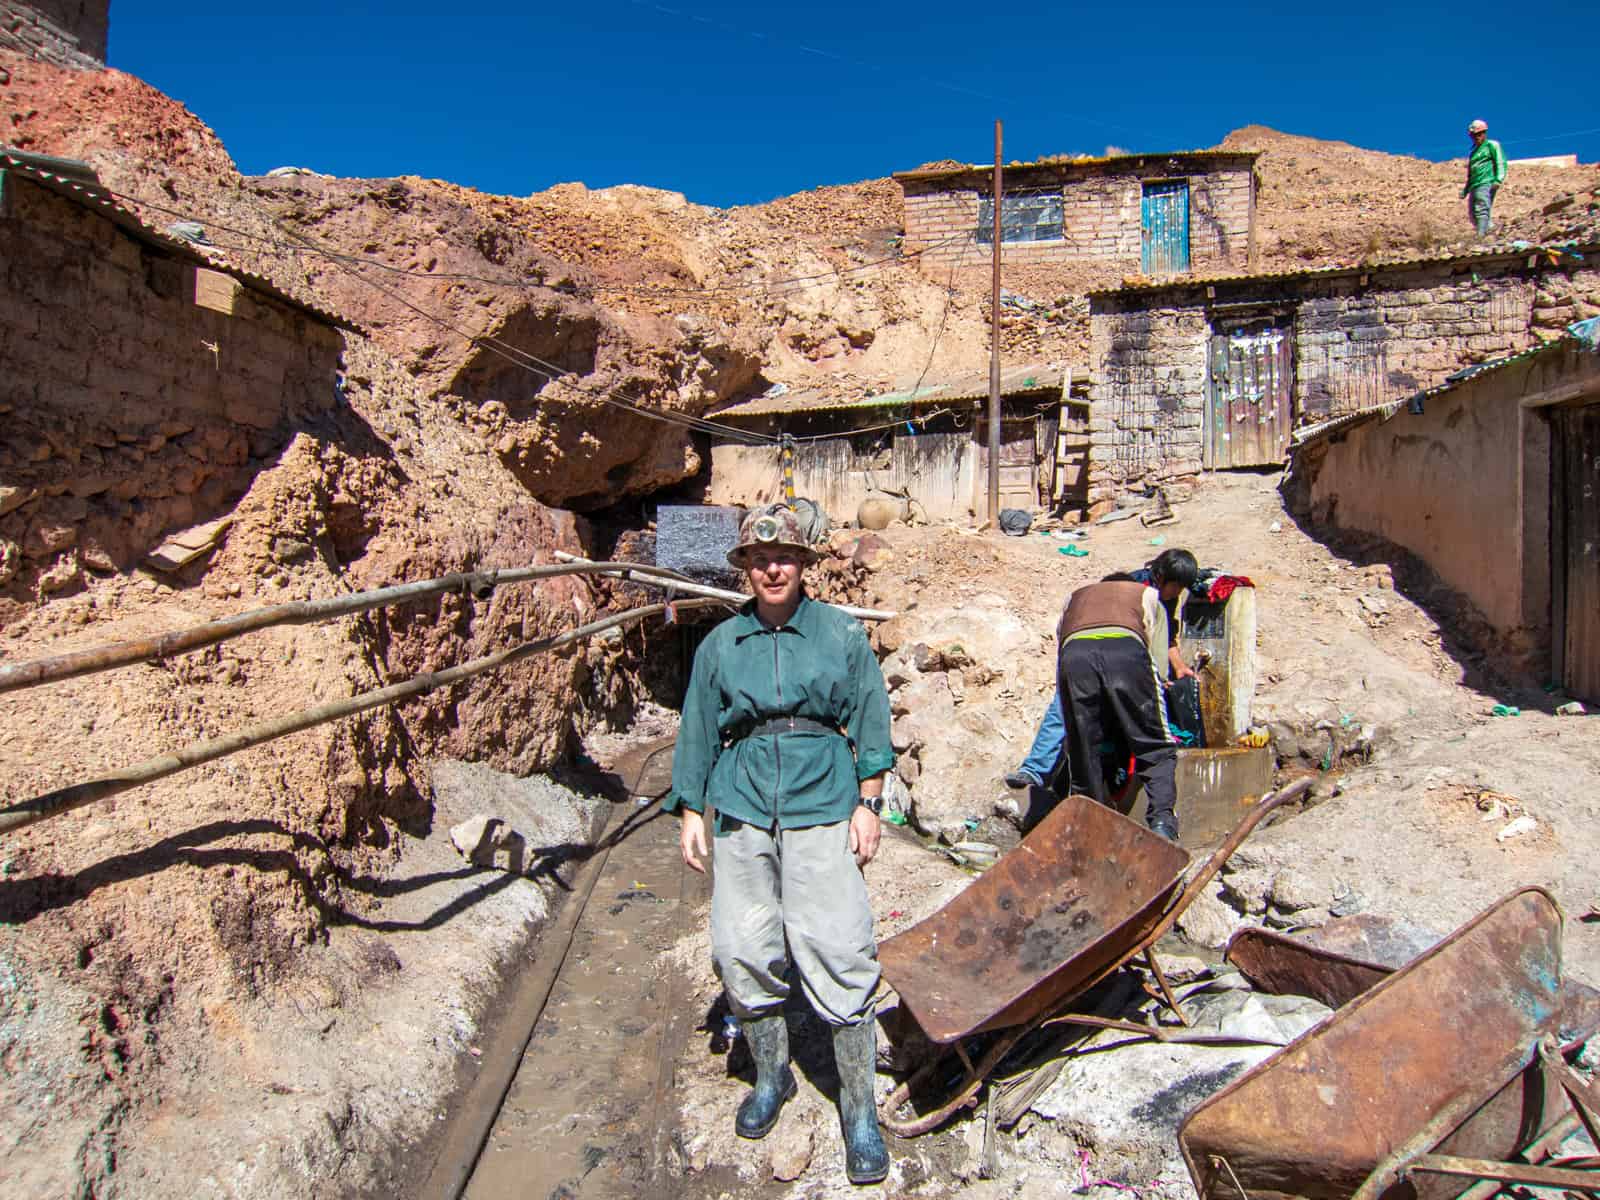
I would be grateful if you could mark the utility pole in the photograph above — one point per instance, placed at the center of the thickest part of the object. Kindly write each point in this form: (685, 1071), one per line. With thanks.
(994, 350)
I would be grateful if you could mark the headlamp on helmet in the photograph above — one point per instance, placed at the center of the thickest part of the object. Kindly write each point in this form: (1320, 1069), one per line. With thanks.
(767, 528)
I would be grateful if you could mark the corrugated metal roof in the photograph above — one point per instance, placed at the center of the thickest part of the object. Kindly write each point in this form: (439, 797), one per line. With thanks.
(1503, 253)
(68, 182)
(1035, 377)
(1087, 160)
(1310, 434)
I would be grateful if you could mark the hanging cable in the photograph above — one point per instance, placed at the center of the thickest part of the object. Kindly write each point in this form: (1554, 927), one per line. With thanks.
(549, 371)
(754, 286)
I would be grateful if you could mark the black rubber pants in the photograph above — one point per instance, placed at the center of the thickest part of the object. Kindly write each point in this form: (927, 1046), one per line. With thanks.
(1112, 695)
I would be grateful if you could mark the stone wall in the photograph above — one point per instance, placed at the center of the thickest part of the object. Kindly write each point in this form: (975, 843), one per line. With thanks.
(1100, 217)
(141, 392)
(68, 33)
(1360, 339)
(1144, 422)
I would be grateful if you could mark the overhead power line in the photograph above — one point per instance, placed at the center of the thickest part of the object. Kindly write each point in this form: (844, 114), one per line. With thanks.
(515, 355)
(754, 286)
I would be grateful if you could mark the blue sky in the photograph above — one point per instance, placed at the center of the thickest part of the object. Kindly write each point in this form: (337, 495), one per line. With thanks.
(738, 103)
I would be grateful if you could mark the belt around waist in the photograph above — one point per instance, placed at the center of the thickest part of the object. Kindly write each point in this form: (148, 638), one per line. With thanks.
(792, 725)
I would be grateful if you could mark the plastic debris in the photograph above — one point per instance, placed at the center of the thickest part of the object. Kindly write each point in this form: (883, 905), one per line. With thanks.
(1516, 829)
(895, 817)
(1256, 737)
(189, 231)
(1015, 521)
(1275, 527)
(1073, 551)
(1505, 710)
(1158, 540)
(1572, 708)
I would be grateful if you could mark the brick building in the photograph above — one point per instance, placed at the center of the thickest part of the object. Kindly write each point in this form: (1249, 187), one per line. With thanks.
(68, 33)
(1206, 375)
(1159, 214)
(143, 384)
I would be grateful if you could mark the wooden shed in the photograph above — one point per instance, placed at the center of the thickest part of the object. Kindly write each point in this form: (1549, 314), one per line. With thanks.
(930, 443)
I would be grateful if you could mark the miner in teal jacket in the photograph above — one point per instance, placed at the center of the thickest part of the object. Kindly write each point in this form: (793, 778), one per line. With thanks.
(785, 734)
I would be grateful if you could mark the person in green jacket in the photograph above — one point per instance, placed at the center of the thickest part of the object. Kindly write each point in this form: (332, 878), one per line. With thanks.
(785, 734)
(1486, 171)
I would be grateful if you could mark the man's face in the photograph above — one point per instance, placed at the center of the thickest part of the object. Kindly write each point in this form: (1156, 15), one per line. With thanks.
(774, 574)
(1477, 135)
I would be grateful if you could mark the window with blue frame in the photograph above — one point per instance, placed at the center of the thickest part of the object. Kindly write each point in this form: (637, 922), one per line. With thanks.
(1025, 216)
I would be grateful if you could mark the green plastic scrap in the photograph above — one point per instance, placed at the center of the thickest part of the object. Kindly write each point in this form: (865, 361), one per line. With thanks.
(1505, 710)
(895, 817)
(1158, 540)
(1073, 551)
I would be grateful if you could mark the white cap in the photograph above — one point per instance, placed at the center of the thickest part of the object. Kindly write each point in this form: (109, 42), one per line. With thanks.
(1478, 127)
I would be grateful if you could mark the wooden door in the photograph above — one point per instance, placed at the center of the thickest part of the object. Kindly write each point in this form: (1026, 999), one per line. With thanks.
(1019, 477)
(1575, 505)
(1249, 395)
(1164, 227)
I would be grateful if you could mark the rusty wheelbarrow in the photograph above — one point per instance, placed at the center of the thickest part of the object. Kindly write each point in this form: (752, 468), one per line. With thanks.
(1442, 1072)
(1085, 893)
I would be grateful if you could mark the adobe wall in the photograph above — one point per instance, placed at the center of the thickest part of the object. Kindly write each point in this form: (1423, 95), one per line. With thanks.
(1100, 220)
(1464, 486)
(1359, 340)
(68, 33)
(131, 408)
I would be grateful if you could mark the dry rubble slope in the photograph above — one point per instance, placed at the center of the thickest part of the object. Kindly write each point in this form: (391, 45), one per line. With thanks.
(1345, 643)
(195, 954)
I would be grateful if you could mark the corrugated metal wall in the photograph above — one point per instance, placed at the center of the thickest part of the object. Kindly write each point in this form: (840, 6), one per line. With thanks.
(1249, 396)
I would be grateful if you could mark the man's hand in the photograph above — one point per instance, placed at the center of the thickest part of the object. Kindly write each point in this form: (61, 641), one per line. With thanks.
(865, 832)
(692, 839)
(1179, 668)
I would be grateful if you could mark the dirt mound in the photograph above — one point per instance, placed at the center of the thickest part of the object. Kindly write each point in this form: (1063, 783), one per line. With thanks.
(120, 124)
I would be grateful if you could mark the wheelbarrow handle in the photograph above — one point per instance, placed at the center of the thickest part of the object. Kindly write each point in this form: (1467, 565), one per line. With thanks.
(1203, 877)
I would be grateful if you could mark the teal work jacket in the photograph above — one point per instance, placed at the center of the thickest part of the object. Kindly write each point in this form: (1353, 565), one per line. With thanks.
(818, 665)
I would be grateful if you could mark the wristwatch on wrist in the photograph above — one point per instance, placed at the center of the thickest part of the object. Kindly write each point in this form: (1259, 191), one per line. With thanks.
(873, 804)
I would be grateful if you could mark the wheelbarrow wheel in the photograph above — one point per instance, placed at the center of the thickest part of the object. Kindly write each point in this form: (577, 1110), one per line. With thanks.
(966, 1094)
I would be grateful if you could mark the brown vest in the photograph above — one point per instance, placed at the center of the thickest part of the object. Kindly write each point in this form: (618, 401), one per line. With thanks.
(1099, 605)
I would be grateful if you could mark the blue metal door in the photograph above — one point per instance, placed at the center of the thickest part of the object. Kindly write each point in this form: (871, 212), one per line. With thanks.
(1164, 227)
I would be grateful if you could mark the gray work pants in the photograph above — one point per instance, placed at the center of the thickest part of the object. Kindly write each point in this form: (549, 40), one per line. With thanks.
(1480, 200)
(794, 893)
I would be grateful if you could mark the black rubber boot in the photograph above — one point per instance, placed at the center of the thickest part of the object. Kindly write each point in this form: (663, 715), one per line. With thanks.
(768, 1038)
(855, 1051)
(1166, 825)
